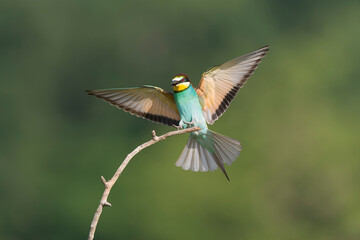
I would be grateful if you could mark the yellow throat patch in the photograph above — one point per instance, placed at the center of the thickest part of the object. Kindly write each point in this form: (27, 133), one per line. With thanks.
(181, 86)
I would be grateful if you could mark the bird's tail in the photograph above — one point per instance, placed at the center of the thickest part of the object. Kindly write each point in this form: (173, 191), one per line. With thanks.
(206, 152)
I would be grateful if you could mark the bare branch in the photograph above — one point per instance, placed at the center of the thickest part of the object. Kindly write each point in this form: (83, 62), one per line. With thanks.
(103, 180)
(109, 184)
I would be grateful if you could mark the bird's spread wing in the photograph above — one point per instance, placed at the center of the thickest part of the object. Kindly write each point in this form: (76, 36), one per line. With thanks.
(152, 103)
(219, 85)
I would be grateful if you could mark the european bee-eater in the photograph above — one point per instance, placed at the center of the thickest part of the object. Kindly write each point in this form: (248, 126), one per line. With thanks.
(189, 107)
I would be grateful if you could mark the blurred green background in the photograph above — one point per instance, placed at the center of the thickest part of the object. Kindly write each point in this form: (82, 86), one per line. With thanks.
(297, 118)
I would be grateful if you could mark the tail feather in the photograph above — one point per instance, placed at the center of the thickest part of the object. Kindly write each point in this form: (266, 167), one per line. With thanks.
(229, 147)
(204, 166)
(224, 155)
(199, 158)
(220, 163)
(196, 159)
(181, 160)
(188, 157)
(210, 161)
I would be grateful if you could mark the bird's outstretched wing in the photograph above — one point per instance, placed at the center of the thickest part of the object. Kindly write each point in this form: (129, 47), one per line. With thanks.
(219, 85)
(152, 103)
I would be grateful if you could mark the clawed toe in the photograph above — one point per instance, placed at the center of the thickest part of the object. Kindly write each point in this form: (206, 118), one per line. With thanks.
(190, 123)
(177, 127)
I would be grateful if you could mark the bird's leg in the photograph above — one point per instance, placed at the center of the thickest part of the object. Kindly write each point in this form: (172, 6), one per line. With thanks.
(190, 123)
(181, 125)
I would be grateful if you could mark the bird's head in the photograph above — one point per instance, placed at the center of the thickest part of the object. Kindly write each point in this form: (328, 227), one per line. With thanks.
(180, 82)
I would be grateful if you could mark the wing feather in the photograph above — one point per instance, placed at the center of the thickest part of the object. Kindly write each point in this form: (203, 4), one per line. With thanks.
(152, 103)
(219, 85)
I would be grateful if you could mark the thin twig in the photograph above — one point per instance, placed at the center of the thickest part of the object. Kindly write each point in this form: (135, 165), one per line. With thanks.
(109, 184)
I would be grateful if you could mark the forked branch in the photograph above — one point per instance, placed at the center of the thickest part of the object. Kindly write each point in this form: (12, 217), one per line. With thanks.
(109, 184)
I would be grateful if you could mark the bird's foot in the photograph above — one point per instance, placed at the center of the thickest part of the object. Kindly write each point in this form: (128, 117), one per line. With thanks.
(181, 124)
(179, 127)
(190, 123)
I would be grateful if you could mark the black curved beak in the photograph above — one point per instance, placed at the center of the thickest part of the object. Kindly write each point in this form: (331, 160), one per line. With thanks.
(174, 83)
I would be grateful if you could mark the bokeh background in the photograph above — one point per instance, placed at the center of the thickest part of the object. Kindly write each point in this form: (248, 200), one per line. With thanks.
(297, 118)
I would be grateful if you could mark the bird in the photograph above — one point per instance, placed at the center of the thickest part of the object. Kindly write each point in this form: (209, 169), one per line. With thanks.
(188, 107)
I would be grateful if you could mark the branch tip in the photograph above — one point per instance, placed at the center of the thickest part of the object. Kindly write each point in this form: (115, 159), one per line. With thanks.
(105, 203)
(154, 137)
(103, 180)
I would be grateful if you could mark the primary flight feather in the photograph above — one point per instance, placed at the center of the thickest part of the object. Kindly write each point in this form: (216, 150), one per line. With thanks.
(189, 107)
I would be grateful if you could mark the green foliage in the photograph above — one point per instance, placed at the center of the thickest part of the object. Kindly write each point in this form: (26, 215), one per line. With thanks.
(297, 118)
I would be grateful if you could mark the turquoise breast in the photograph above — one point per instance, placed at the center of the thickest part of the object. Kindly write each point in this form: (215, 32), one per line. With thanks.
(189, 107)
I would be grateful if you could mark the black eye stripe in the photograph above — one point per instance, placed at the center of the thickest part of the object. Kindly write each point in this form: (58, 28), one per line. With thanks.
(180, 79)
